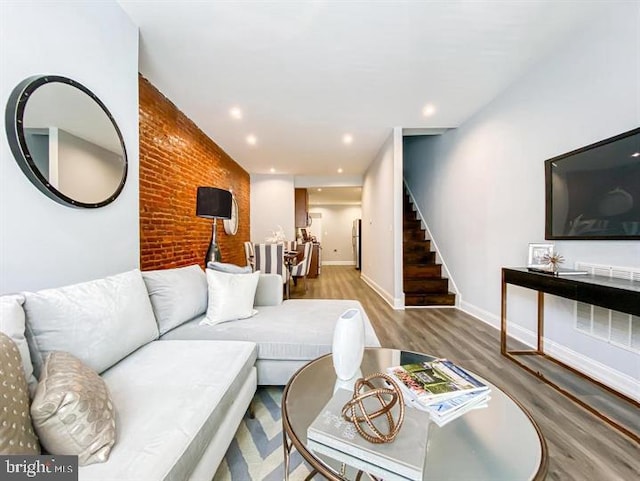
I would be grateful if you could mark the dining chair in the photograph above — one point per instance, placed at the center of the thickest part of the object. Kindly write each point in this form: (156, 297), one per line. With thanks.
(269, 259)
(250, 255)
(301, 269)
(291, 245)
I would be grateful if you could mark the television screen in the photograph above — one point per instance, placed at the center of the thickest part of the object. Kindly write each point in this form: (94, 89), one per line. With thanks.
(594, 192)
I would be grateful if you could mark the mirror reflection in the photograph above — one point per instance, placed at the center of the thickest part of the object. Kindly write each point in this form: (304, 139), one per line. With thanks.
(70, 143)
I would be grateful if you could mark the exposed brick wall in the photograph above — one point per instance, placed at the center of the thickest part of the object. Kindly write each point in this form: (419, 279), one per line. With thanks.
(175, 158)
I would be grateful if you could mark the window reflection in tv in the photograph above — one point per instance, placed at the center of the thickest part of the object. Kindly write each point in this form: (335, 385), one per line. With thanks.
(594, 192)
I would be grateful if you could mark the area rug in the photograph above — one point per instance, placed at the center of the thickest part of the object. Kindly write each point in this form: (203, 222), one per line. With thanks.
(256, 453)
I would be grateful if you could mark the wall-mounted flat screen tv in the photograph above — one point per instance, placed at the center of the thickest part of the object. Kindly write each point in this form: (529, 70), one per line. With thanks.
(594, 192)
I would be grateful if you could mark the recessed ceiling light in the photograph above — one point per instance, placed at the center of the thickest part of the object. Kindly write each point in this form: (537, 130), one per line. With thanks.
(252, 139)
(428, 110)
(347, 138)
(235, 113)
(272, 170)
(635, 154)
(340, 170)
(319, 189)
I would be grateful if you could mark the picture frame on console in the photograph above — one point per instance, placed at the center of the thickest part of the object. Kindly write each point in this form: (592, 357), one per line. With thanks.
(537, 252)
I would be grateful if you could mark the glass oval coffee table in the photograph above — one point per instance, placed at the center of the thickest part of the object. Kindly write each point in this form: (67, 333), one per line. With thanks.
(499, 442)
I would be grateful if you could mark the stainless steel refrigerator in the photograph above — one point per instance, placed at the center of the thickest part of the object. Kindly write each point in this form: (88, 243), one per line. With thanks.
(356, 241)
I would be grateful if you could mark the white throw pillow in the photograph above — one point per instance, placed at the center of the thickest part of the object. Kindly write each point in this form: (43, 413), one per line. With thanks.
(12, 323)
(229, 268)
(230, 296)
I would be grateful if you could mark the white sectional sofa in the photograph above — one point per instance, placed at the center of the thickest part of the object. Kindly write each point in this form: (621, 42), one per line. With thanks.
(180, 389)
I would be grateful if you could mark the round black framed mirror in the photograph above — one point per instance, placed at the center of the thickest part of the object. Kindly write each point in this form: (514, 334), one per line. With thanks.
(66, 141)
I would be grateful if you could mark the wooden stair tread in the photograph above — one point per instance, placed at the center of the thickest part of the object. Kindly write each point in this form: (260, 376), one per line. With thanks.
(448, 299)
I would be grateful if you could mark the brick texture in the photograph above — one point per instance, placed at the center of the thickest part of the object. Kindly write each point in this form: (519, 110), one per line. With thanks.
(175, 158)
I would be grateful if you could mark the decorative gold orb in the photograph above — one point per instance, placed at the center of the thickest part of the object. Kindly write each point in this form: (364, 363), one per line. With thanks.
(354, 411)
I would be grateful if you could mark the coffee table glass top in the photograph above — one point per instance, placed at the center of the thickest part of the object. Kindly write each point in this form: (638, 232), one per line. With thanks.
(499, 442)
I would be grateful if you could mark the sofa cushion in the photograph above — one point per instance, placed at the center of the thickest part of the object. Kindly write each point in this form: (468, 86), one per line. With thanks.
(298, 329)
(12, 323)
(16, 430)
(229, 268)
(99, 322)
(269, 291)
(231, 296)
(177, 295)
(72, 410)
(170, 399)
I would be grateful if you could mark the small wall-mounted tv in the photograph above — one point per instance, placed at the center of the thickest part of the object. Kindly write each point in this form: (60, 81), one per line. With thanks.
(594, 192)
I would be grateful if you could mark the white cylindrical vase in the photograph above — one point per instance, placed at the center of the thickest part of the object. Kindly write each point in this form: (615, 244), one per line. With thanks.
(348, 346)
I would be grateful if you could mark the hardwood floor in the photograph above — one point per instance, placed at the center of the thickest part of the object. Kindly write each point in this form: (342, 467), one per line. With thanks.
(581, 446)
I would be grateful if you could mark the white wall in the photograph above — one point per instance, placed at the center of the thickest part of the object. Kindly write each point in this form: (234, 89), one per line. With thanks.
(45, 244)
(481, 186)
(272, 205)
(86, 171)
(337, 222)
(382, 222)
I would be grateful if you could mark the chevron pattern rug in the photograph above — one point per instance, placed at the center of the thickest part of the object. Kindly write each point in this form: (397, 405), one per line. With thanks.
(256, 453)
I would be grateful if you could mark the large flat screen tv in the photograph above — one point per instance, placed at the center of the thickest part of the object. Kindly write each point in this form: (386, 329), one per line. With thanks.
(594, 192)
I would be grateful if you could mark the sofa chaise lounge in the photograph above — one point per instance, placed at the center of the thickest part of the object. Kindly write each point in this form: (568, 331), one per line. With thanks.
(179, 388)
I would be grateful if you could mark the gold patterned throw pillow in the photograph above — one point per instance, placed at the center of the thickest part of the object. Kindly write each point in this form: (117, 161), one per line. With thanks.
(72, 410)
(16, 430)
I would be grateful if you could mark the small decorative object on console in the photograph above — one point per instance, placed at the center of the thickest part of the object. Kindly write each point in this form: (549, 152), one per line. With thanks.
(554, 260)
(354, 411)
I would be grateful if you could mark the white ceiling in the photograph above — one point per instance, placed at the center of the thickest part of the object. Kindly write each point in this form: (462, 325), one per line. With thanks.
(335, 195)
(305, 73)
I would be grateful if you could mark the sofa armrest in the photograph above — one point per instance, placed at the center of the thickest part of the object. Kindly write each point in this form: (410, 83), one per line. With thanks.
(269, 291)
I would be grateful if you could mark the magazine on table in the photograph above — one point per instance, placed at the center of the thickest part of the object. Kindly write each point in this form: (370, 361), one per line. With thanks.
(449, 409)
(336, 437)
(434, 381)
(443, 412)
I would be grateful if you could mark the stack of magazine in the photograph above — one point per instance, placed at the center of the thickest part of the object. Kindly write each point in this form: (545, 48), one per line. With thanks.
(441, 388)
(403, 459)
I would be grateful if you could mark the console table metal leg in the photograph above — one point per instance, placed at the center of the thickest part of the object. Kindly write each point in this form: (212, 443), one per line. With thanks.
(503, 318)
(540, 322)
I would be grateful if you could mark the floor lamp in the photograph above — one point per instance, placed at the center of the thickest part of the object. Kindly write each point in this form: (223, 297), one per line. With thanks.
(213, 203)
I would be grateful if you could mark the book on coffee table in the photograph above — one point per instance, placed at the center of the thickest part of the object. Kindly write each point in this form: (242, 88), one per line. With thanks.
(353, 464)
(336, 437)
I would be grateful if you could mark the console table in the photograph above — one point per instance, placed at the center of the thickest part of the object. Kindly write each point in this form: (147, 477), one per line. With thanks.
(611, 293)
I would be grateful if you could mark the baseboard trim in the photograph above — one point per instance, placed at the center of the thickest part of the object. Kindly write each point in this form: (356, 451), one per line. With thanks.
(395, 303)
(613, 378)
(338, 263)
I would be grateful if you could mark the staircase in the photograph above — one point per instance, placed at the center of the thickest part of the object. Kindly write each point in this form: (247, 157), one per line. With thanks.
(423, 281)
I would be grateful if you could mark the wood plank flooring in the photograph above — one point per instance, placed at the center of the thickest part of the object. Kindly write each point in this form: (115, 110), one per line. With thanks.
(581, 446)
